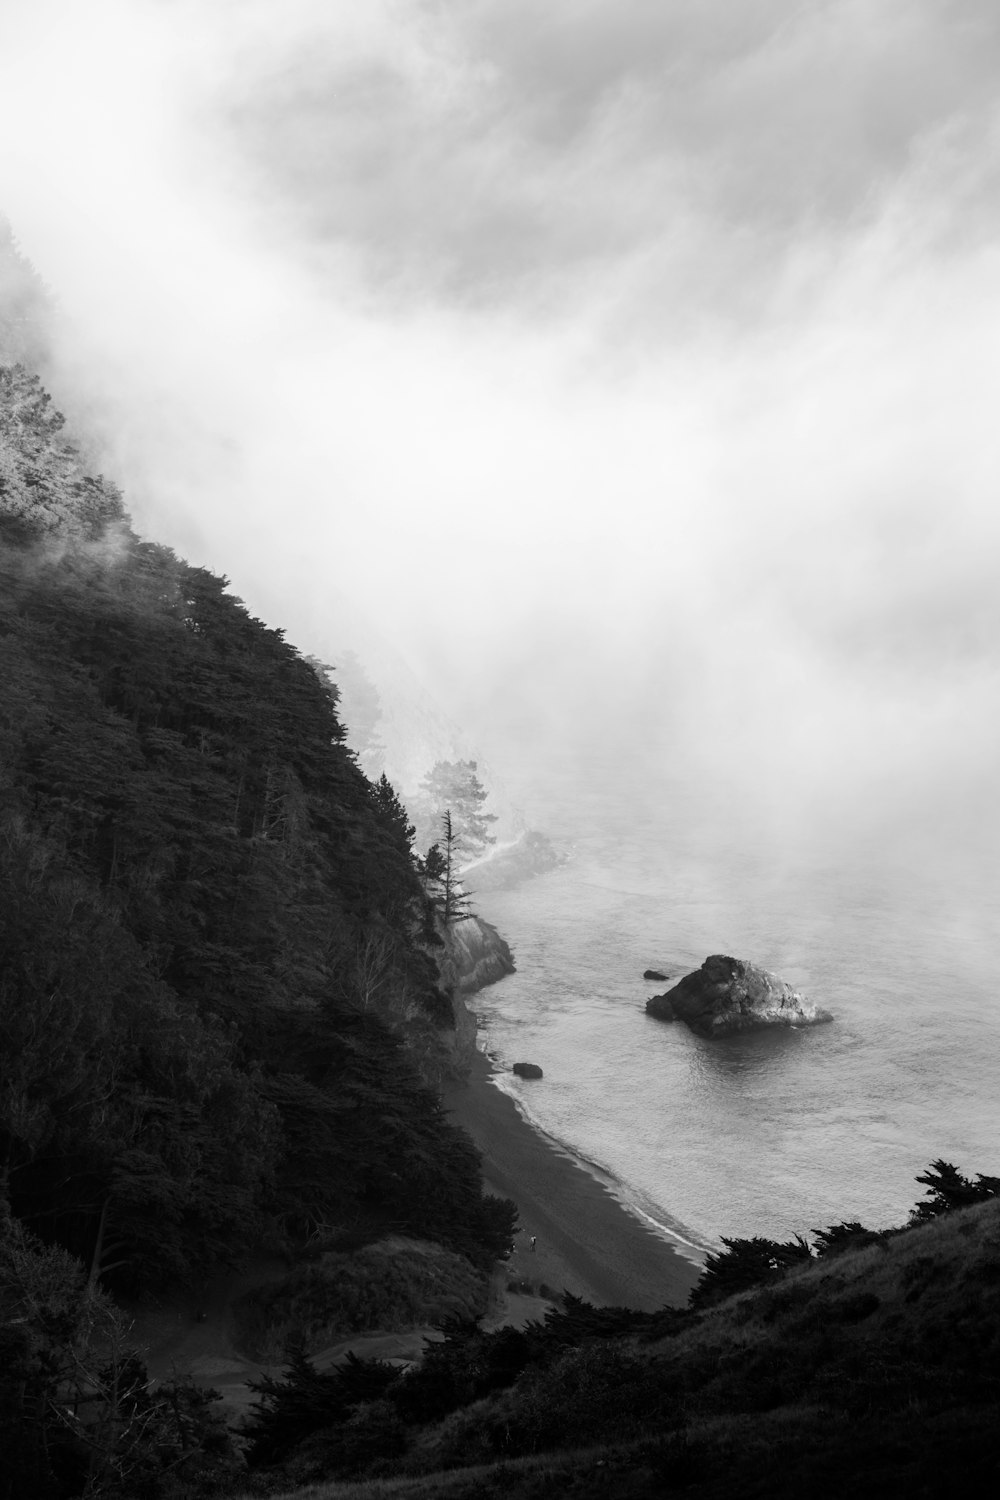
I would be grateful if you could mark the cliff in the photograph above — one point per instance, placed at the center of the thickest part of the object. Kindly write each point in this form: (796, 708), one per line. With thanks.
(728, 995)
(474, 956)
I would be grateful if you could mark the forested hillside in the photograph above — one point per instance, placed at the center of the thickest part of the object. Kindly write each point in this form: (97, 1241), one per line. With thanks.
(211, 924)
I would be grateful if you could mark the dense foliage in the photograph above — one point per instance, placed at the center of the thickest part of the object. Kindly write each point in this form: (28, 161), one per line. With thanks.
(209, 918)
(78, 1414)
(947, 1190)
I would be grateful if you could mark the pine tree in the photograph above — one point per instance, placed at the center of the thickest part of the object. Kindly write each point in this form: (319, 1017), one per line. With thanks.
(454, 786)
(440, 872)
(455, 903)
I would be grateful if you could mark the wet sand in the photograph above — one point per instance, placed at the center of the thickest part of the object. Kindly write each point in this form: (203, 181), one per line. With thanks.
(586, 1242)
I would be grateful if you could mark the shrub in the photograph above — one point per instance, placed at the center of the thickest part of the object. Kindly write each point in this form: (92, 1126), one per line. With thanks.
(393, 1284)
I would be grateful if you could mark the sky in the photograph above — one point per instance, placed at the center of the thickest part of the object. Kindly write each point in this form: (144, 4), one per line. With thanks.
(630, 362)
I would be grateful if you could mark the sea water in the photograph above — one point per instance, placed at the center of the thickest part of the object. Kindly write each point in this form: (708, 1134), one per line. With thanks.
(782, 1130)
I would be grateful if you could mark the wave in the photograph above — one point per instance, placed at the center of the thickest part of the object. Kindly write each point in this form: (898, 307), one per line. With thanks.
(651, 1215)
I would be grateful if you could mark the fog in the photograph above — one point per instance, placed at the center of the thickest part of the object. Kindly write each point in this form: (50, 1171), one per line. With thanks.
(630, 362)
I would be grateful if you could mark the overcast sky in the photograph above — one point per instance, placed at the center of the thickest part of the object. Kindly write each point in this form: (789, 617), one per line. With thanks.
(633, 362)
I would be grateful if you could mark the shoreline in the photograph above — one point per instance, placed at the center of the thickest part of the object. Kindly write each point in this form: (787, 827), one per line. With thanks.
(688, 1249)
(588, 1242)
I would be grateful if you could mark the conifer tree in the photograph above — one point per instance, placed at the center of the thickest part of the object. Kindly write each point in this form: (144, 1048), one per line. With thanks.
(455, 903)
(454, 786)
(440, 871)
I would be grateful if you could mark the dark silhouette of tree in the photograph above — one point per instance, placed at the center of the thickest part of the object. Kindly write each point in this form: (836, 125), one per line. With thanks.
(746, 1263)
(361, 709)
(948, 1190)
(440, 869)
(837, 1238)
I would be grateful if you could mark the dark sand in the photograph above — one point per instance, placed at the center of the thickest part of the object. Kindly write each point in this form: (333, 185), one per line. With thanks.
(587, 1243)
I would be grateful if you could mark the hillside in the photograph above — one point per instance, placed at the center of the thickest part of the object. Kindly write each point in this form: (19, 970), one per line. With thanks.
(221, 1013)
(874, 1371)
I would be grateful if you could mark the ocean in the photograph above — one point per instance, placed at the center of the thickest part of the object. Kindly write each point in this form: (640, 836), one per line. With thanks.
(782, 1131)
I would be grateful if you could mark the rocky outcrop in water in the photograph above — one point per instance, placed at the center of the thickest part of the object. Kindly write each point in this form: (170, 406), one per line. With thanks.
(527, 1070)
(728, 995)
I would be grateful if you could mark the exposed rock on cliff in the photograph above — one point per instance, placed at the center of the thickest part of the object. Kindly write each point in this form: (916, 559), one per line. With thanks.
(474, 956)
(727, 995)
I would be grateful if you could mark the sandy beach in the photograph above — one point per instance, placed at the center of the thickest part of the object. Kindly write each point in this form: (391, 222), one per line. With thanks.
(585, 1241)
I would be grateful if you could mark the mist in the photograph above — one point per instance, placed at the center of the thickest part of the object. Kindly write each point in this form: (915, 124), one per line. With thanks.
(629, 364)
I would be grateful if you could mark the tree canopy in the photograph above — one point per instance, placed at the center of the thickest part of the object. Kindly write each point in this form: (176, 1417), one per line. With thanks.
(211, 952)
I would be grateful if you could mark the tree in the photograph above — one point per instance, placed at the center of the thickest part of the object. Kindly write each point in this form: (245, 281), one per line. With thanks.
(26, 305)
(454, 787)
(77, 1412)
(212, 959)
(361, 709)
(392, 812)
(746, 1263)
(441, 872)
(947, 1190)
(847, 1235)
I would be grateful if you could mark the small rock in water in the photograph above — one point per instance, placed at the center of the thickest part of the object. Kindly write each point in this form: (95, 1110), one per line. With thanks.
(527, 1070)
(654, 974)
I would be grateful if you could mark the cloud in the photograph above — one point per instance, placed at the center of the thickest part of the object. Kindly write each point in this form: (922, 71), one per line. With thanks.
(631, 362)
(546, 145)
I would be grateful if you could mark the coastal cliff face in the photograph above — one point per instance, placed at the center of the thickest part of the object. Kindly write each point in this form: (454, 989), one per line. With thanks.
(729, 995)
(474, 956)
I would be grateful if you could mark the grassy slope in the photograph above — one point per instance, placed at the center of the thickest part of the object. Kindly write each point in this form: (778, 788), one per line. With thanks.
(876, 1372)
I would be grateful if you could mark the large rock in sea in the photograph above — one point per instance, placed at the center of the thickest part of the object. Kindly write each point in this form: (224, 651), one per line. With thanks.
(727, 995)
